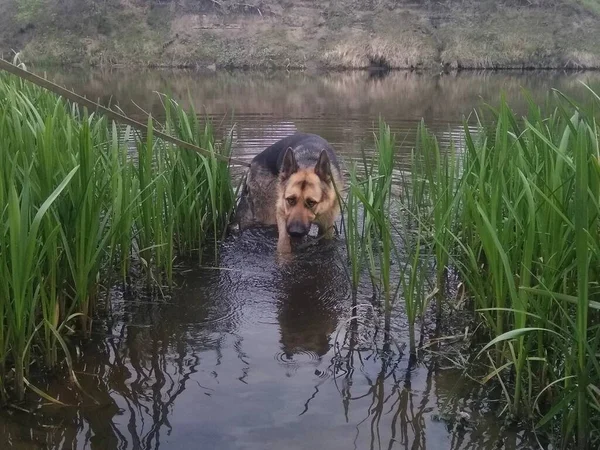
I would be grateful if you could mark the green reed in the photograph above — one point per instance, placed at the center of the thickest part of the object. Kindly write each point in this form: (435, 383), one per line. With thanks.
(526, 235)
(377, 238)
(193, 175)
(79, 204)
(379, 207)
(441, 182)
(354, 230)
(370, 239)
(412, 226)
(516, 212)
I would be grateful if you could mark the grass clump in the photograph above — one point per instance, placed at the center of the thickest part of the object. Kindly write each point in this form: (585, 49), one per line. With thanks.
(530, 256)
(515, 212)
(84, 200)
(379, 240)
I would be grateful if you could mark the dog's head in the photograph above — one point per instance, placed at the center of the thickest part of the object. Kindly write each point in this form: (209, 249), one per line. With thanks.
(305, 192)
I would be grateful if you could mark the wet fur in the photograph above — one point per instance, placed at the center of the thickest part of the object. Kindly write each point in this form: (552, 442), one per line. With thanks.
(303, 167)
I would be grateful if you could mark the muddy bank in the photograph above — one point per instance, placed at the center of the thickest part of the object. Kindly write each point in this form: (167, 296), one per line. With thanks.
(297, 34)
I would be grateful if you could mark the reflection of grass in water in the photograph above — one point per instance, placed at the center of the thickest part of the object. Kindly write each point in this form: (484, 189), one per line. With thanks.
(405, 94)
(516, 214)
(75, 208)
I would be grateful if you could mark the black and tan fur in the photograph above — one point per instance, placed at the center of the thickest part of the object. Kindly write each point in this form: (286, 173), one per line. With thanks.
(292, 184)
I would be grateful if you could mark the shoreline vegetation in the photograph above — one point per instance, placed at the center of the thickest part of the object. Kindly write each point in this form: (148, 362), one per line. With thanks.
(509, 223)
(297, 35)
(86, 205)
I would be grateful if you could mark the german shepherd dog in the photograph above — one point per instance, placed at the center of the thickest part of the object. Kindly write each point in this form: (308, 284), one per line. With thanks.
(292, 184)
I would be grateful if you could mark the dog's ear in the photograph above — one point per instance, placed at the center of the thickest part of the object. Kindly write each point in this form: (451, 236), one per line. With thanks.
(323, 167)
(289, 165)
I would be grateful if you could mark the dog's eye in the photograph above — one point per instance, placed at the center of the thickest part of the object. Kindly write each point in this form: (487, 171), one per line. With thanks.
(291, 201)
(310, 204)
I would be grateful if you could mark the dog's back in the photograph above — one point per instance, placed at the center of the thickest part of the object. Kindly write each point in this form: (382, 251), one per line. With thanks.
(306, 147)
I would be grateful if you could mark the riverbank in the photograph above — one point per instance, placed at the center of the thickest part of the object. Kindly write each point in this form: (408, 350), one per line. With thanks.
(268, 34)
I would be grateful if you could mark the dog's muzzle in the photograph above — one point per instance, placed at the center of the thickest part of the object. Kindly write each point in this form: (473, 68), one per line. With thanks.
(298, 229)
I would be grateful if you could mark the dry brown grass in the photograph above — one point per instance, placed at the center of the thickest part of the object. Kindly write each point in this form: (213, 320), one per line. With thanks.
(583, 59)
(515, 38)
(358, 53)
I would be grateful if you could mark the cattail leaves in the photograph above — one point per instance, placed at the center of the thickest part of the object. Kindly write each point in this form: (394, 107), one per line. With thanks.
(78, 205)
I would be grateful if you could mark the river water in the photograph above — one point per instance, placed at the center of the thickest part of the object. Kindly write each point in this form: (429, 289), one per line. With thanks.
(249, 354)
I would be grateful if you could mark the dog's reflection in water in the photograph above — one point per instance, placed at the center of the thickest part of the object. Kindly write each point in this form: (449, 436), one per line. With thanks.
(312, 291)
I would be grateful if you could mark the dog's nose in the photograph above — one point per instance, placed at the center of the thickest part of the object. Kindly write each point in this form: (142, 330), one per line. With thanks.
(297, 229)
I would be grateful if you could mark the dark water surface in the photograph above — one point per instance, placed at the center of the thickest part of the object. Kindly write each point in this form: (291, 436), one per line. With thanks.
(252, 354)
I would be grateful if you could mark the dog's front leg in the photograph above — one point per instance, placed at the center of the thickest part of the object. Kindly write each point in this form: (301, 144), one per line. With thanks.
(325, 224)
(283, 243)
